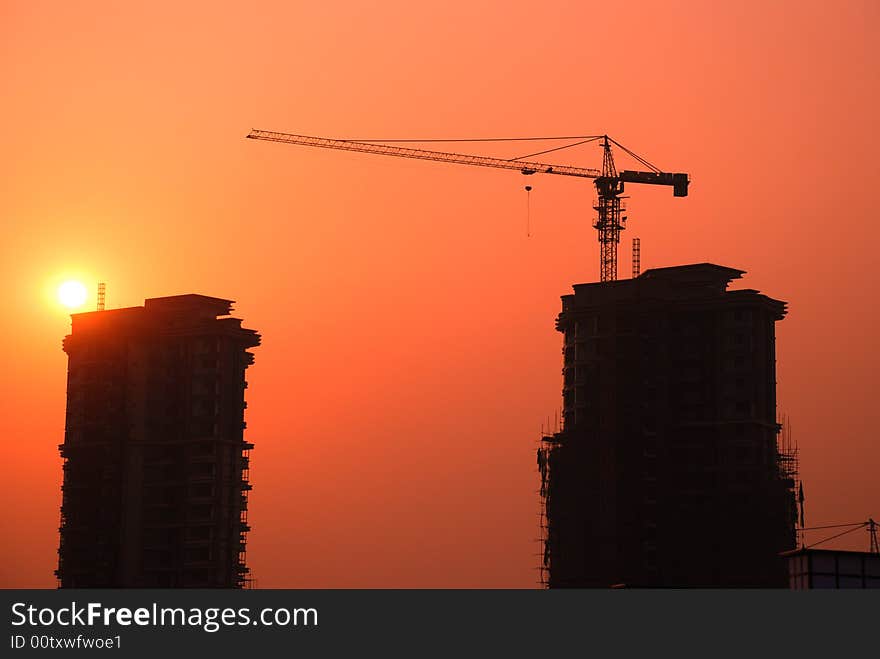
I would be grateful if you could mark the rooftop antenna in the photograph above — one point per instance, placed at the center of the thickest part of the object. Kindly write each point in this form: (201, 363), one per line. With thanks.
(102, 292)
(637, 257)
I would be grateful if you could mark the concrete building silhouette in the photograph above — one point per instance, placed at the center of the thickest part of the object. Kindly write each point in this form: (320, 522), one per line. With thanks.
(667, 470)
(155, 462)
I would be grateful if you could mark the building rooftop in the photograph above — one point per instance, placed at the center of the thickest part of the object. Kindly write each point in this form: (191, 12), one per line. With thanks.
(682, 283)
(694, 272)
(172, 313)
(189, 303)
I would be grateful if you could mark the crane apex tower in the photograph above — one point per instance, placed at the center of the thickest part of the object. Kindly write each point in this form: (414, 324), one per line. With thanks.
(156, 466)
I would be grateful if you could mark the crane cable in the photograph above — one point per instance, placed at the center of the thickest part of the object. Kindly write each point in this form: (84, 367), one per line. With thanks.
(832, 526)
(487, 139)
(558, 148)
(582, 139)
(860, 526)
(528, 211)
(636, 156)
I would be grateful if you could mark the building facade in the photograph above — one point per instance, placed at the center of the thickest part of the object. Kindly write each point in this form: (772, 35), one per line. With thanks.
(155, 460)
(667, 471)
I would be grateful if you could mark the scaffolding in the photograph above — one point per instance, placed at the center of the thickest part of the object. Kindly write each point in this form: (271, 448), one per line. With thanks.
(548, 442)
(243, 578)
(788, 465)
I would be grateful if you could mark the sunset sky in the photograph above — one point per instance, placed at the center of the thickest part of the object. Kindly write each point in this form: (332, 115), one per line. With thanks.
(409, 355)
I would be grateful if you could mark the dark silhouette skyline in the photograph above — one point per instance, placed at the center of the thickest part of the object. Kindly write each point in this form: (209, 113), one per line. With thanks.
(155, 462)
(667, 471)
(127, 165)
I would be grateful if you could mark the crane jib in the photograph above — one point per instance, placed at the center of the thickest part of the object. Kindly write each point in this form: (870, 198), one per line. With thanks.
(679, 182)
(524, 166)
(609, 183)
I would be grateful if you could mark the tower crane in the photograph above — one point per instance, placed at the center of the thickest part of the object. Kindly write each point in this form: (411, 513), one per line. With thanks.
(609, 182)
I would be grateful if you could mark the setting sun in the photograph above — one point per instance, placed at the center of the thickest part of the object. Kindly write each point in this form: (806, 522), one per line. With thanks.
(72, 294)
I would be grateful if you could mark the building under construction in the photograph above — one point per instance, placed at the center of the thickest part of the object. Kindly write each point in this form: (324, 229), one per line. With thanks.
(155, 462)
(667, 471)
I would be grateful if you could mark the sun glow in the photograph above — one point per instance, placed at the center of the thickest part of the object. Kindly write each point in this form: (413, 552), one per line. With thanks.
(72, 294)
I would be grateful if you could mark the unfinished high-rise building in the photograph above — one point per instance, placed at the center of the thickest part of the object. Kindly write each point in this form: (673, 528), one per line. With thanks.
(667, 471)
(155, 461)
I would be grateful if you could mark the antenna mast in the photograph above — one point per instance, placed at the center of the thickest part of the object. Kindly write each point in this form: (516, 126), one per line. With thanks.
(102, 291)
(637, 257)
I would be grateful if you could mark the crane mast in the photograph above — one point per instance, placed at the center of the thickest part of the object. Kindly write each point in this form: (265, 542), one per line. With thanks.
(609, 220)
(609, 182)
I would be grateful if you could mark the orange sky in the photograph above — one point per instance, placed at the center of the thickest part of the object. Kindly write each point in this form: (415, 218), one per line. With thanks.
(409, 355)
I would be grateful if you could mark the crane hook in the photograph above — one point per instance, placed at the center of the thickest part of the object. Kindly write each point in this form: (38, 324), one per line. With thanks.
(528, 211)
